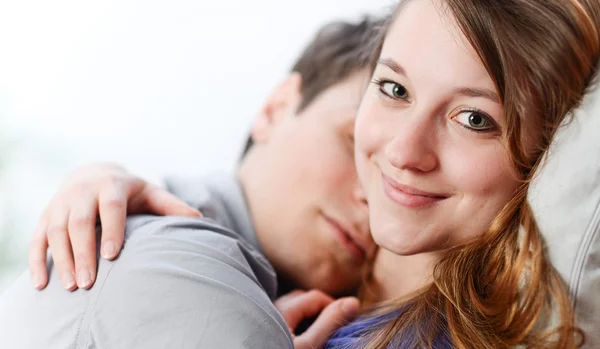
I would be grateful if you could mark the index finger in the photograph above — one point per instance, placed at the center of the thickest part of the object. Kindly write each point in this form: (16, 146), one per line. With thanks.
(160, 202)
(112, 204)
(305, 305)
(334, 316)
(38, 248)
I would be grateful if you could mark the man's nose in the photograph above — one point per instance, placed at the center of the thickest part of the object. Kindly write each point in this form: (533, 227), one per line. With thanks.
(362, 220)
(360, 197)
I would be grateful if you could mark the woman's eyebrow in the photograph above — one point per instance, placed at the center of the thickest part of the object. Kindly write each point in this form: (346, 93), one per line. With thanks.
(393, 65)
(477, 92)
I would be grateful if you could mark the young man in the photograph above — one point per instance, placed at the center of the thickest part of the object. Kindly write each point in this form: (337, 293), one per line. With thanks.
(190, 282)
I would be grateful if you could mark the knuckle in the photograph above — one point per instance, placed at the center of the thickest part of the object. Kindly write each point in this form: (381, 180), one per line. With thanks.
(81, 257)
(80, 222)
(114, 202)
(72, 191)
(35, 253)
(39, 233)
(63, 265)
(34, 245)
(38, 240)
(315, 293)
(55, 231)
(111, 180)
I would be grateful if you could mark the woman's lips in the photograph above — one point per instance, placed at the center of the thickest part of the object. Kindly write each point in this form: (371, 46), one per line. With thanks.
(346, 240)
(408, 196)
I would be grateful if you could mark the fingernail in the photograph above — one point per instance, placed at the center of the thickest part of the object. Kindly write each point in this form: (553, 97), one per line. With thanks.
(350, 306)
(84, 278)
(109, 250)
(37, 281)
(68, 280)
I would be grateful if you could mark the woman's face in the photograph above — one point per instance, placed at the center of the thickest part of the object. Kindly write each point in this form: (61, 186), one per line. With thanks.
(428, 137)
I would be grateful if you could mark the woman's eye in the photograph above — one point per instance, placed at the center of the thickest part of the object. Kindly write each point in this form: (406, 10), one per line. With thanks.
(476, 121)
(394, 90)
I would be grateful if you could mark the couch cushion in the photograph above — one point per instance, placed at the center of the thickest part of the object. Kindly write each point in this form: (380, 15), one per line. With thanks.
(566, 202)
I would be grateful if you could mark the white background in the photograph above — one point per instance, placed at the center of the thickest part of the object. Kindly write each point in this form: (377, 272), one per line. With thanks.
(161, 87)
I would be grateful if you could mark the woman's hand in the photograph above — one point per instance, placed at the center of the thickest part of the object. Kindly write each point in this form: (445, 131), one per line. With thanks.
(300, 305)
(68, 224)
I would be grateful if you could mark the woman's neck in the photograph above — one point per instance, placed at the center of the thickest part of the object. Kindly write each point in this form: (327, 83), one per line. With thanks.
(398, 276)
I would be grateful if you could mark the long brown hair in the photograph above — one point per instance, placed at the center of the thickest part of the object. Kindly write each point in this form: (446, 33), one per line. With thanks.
(500, 290)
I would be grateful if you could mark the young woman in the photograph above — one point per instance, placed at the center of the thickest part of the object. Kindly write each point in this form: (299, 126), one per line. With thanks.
(466, 96)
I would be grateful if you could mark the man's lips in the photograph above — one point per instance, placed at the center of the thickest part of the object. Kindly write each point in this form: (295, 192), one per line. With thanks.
(408, 196)
(347, 240)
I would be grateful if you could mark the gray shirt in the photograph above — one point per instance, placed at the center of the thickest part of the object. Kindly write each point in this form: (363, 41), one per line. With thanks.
(178, 283)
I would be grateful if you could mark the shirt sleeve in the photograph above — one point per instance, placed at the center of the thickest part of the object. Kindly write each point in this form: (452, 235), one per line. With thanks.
(176, 284)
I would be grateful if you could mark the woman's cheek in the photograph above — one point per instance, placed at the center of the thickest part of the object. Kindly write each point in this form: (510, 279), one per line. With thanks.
(479, 171)
(370, 128)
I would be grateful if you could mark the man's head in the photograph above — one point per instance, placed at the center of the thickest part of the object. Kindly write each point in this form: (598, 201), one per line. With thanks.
(298, 173)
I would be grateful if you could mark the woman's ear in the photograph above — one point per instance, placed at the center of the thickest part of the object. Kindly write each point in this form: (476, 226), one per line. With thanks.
(281, 103)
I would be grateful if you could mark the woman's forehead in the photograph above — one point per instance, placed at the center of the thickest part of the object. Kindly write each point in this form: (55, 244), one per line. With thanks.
(427, 43)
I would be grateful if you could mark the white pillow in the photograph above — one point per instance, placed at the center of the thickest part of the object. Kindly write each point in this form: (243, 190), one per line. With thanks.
(566, 201)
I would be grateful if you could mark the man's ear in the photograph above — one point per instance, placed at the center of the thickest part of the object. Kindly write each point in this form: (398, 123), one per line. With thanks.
(281, 103)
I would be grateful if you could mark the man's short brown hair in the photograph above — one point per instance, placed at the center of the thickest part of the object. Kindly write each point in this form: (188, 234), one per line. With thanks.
(337, 50)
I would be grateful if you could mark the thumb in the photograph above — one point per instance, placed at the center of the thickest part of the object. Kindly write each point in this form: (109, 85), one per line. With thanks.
(160, 202)
(334, 316)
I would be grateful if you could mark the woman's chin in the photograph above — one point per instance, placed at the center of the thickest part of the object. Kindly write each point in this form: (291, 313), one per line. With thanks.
(401, 240)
